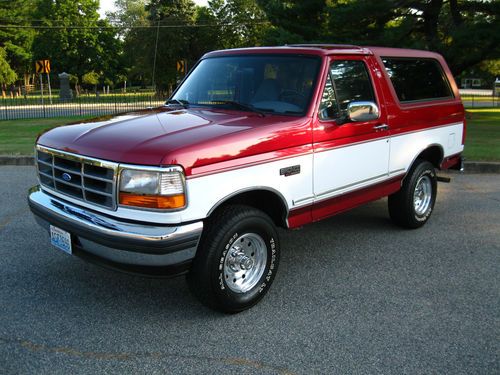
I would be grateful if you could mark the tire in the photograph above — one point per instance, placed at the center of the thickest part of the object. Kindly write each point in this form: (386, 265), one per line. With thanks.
(237, 259)
(412, 206)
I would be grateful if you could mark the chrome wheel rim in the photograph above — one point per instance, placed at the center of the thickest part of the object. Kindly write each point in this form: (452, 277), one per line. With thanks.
(422, 195)
(245, 262)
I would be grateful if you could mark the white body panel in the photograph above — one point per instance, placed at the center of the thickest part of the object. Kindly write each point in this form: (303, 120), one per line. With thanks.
(406, 147)
(350, 167)
(206, 192)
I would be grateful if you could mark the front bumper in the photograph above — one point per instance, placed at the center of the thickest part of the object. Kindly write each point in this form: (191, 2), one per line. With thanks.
(136, 247)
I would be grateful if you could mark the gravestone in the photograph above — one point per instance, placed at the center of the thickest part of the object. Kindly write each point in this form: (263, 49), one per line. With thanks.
(65, 92)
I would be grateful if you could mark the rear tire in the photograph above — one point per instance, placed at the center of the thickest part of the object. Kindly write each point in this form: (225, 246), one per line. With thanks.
(412, 206)
(237, 259)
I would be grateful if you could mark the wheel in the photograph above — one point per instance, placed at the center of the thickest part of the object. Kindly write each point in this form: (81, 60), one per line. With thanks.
(412, 206)
(237, 259)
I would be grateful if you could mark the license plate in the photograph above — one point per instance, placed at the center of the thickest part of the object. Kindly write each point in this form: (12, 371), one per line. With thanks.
(60, 239)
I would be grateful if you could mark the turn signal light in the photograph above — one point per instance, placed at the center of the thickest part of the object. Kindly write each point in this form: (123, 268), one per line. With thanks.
(153, 201)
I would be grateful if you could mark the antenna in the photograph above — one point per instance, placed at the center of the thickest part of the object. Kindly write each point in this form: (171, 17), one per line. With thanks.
(156, 52)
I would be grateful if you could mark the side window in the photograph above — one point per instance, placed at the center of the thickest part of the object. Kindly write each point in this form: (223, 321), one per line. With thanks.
(347, 81)
(417, 79)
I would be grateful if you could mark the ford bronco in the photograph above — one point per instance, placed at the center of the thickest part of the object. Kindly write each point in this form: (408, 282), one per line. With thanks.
(252, 139)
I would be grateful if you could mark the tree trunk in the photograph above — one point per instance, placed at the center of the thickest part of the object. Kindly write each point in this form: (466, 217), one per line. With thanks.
(455, 13)
(431, 19)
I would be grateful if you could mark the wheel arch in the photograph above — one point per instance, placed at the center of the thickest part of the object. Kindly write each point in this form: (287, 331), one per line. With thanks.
(433, 153)
(266, 199)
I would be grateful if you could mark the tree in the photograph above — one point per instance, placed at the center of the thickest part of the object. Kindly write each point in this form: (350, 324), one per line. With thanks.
(172, 19)
(17, 42)
(466, 32)
(91, 79)
(7, 75)
(75, 40)
(131, 18)
(238, 23)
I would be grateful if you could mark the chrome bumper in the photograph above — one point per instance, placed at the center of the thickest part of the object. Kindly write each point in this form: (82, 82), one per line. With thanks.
(130, 246)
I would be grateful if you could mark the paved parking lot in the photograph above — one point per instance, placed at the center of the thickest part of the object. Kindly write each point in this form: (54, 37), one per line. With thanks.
(353, 294)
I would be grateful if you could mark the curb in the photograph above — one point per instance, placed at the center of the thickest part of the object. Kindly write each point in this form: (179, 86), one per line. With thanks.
(481, 167)
(16, 160)
(469, 166)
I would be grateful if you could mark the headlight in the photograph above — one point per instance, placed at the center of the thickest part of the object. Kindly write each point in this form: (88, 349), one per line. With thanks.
(152, 188)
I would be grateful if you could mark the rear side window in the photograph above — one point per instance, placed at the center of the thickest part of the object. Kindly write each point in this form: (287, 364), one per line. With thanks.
(417, 79)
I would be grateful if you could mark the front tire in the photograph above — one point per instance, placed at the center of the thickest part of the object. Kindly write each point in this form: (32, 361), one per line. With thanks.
(412, 206)
(237, 259)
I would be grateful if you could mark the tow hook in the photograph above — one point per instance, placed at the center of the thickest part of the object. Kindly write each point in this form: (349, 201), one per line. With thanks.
(444, 179)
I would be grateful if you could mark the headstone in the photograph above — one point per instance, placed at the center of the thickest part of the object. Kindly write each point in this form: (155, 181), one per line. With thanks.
(65, 92)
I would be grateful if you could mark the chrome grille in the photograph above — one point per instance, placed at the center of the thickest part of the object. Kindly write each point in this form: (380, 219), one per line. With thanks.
(87, 179)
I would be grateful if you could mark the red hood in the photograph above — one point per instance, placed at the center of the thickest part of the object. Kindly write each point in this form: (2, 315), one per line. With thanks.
(192, 138)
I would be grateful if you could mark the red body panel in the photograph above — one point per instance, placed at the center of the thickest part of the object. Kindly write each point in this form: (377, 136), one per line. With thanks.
(192, 138)
(336, 205)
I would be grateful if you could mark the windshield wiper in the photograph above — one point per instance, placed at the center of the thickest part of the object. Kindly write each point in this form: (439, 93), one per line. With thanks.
(179, 102)
(245, 107)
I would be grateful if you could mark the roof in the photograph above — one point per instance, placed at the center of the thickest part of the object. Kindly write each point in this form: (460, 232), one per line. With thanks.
(303, 49)
(327, 49)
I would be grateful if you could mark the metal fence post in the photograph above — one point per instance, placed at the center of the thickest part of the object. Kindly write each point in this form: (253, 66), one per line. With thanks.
(6, 111)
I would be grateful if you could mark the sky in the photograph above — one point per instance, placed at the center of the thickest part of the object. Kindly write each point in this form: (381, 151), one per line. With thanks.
(108, 5)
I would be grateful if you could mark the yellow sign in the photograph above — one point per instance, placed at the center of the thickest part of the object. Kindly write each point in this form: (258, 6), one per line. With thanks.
(181, 66)
(42, 66)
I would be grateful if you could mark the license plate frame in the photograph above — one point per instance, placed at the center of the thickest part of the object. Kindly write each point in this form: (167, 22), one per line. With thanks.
(61, 239)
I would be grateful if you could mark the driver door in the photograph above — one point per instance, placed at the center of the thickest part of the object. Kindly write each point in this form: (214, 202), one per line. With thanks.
(348, 155)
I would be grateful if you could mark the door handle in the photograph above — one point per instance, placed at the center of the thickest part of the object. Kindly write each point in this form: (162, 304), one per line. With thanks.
(381, 127)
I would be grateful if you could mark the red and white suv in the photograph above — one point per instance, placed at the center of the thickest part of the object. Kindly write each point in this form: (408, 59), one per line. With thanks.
(251, 140)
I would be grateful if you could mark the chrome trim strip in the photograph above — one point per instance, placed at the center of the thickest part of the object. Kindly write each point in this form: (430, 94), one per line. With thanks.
(101, 224)
(78, 158)
(45, 174)
(297, 201)
(350, 185)
(397, 170)
(92, 177)
(57, 179)
(68, 170)
(98, 192)
(44, 162)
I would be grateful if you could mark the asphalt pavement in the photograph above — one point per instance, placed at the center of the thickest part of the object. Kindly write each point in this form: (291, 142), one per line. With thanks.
(353, 295)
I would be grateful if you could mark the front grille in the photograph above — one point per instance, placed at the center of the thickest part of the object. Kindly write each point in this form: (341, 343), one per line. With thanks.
(87, 179)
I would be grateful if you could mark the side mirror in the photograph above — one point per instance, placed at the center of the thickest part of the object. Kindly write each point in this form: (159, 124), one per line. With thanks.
(362, 111)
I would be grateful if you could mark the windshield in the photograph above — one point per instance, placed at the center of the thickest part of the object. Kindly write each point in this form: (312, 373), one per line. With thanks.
(280, 84)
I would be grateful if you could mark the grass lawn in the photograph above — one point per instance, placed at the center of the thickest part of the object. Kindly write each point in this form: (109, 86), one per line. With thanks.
(17, 137)
(482, 141)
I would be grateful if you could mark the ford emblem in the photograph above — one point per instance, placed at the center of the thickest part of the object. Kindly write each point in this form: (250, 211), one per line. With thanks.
(66, 177)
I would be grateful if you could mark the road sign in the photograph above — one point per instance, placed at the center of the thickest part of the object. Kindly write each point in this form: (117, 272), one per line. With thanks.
(42, 66)
(181, 66)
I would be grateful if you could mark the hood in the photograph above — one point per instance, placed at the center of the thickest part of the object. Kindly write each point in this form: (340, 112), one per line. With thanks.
(190, 137)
